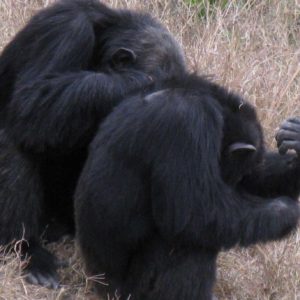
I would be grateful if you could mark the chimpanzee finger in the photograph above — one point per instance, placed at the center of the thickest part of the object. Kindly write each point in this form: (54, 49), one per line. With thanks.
(285, 135)
(291, 125)
(32, 279)
(289, 145)
(46, 280)
(295, 120)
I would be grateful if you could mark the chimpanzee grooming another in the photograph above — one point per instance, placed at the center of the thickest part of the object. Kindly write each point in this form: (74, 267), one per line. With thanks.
(61, 75)
(164, 189)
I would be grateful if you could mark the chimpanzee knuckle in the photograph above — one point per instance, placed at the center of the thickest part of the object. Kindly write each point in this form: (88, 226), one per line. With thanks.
(279, 144)
(286, 125)
(294, 120)
(51, 281)
(43, 280)
(292, 127)
(296, 128)
(296, 146)
(293, 145)
(282, 149)
(289, 145)
(31, 279)
(280, 135)
(289, 136)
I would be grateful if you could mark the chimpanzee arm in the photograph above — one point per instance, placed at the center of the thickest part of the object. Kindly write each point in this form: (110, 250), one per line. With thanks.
(264, 220)
(277, 175)
(62, 111)
(191, 202)
(59, 39)
(56, 104)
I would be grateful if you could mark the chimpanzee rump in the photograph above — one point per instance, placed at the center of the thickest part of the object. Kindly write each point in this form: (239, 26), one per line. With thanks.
(59, 77)
(170, 180)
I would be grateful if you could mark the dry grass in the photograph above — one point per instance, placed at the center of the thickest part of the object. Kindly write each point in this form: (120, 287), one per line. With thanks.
(254, 48)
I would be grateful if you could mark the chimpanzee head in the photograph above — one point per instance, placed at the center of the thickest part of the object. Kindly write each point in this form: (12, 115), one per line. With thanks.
(133, 40)
(242, 145)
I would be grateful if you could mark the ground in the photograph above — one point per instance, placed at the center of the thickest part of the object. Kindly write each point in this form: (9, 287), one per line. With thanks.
(251, 46)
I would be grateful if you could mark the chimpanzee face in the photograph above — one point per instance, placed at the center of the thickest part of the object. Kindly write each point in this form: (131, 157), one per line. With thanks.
(151, 50)
(242, 144)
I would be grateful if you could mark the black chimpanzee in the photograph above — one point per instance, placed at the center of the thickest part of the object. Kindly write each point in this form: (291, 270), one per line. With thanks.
(61, 75)
(171, 179)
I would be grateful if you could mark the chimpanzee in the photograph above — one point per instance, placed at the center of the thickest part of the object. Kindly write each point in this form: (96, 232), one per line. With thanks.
(171, 179)
(59, 77)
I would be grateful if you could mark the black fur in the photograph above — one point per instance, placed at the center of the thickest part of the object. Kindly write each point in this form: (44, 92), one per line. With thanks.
(161, 194)
(59, 77)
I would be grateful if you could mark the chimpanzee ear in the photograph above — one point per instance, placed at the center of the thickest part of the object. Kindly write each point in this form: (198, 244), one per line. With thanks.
(241, 147)
(123, 57)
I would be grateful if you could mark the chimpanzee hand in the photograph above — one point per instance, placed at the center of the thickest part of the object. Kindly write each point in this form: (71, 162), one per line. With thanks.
(134, 80)
(288, 136)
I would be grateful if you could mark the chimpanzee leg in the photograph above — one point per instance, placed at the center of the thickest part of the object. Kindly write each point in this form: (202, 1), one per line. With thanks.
(20, 202)
(20, 194)
(162, 272)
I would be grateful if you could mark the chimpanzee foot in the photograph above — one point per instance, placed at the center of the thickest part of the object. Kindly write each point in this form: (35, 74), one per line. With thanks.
(55, 231)
(42, 268)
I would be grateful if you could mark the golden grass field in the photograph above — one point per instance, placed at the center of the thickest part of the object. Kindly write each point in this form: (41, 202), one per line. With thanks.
(251, 46)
